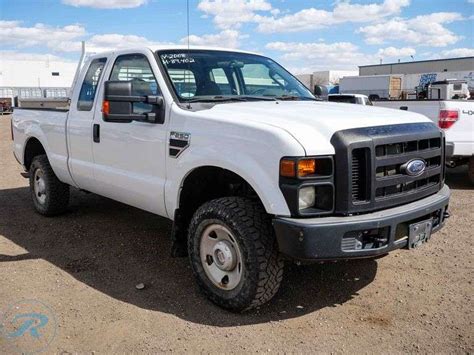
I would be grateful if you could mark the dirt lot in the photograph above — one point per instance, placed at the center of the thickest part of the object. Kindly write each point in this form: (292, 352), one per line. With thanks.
(85, 266)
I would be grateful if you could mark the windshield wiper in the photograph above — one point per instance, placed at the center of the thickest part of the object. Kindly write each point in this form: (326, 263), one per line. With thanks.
(220, 98)
(294, 98)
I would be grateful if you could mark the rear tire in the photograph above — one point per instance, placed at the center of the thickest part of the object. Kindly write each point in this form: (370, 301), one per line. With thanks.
(50, 196)
(252, 272)
(470, 169)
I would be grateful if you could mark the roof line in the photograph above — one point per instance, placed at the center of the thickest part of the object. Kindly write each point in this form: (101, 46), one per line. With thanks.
(415, 61)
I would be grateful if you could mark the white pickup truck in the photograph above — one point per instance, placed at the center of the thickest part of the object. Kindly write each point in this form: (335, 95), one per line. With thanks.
(455, 117)
(357, 99)
(251, 169)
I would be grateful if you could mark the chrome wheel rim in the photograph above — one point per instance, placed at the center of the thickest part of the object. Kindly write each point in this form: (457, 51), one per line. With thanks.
(39, 186)
(221, 257)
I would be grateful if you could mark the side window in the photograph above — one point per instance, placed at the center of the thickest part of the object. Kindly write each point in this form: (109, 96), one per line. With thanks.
(89, 85)
(136, 68)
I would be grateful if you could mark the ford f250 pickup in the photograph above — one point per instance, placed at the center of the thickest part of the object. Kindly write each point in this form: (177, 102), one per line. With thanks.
(249, 166)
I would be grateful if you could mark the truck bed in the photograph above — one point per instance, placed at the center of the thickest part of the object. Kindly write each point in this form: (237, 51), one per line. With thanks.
(460, 133)
(48, 125)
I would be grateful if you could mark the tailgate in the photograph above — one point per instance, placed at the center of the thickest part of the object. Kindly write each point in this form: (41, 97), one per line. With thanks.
(461, 133)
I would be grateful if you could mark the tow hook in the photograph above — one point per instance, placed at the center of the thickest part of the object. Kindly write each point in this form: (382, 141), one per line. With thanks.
(446, 215)
(451, 164)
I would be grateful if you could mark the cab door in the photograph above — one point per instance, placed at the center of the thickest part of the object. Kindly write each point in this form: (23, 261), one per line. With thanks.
(79, 124)
(129, 157)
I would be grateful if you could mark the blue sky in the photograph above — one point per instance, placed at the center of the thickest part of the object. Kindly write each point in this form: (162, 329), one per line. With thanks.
(304, 35)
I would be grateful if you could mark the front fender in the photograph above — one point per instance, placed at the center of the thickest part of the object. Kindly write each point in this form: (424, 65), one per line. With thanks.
(265, 185)
(252, 150)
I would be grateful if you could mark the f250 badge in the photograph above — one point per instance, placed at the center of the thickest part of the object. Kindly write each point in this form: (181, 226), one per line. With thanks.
(179, 141)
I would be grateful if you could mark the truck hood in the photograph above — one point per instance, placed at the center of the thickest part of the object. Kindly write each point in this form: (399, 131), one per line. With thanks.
(312, 123)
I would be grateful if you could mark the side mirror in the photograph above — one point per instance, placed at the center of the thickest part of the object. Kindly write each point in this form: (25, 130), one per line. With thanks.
(119, 100)
(320, 90)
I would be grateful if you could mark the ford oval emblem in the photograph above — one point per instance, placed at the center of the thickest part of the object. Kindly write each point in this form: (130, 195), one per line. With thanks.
(414, 167)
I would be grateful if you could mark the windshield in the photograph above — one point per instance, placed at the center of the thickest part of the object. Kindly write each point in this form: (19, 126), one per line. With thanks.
(200, 75)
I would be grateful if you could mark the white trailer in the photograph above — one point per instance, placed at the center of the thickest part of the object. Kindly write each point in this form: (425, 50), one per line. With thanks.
(374, 86)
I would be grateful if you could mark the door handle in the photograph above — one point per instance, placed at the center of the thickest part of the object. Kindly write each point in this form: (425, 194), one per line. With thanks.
(96, 133)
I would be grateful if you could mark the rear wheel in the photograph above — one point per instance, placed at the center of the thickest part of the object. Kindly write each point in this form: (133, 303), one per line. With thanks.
(50, 196)
(234, 254)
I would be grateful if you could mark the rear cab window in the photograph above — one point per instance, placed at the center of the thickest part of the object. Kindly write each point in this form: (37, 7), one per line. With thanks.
(89, 85)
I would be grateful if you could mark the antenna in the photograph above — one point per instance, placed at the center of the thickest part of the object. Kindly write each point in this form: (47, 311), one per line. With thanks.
(188, 59)
(187, 20)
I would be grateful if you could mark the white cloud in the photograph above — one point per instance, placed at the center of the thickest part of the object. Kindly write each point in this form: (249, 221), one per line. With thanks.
(392, 52)
(226, 38)
(111, 41)
(344, 11)
(24, 56)
(427, 30)
(321, 56)
(106, 4)
(54, 38)
(306, 19)
(458, 52)
(67, 38)
(232, 13)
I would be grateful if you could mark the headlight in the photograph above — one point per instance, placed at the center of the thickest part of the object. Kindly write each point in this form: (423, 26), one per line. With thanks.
(306, 197)
(307, 184)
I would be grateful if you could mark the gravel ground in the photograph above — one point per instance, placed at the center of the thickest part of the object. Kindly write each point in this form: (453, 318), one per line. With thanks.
(85, 266)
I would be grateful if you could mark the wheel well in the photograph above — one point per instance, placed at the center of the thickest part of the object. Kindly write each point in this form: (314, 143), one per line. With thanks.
(202, 185)
(33, 148)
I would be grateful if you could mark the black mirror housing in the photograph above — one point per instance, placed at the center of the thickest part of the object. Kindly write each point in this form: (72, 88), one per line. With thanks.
(119, 100)
(320, 90)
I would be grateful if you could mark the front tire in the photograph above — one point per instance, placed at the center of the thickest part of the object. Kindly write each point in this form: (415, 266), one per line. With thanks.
(50, 196)
(470, 169)
(234, 254)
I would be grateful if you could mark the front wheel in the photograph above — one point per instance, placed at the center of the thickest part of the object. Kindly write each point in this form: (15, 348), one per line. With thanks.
(470, 169)
(234, 254)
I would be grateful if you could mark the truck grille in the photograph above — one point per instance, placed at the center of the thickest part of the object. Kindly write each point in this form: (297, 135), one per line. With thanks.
(359, 174)
(371, 166)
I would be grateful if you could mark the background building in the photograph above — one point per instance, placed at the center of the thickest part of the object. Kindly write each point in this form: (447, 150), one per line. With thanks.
(421, 72)
(35, 78)
(326, 77)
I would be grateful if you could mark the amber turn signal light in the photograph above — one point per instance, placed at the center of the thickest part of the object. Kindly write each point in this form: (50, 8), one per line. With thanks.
(287, 168)
(306, 167)
(300, 168)
(105, 107)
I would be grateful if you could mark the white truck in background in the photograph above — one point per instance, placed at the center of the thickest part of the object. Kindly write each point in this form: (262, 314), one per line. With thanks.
(251, 172)
(373, 86)
(454, 116)
(357, 99)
